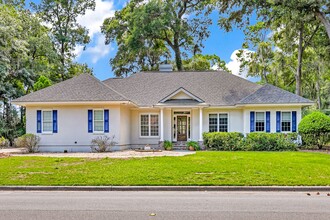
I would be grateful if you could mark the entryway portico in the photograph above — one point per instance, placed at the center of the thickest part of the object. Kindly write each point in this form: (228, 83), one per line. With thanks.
(185, 124)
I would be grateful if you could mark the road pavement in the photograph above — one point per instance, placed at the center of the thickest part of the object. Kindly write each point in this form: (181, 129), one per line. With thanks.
(45, 205)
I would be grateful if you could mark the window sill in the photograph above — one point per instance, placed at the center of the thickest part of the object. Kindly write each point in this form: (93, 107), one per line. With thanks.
(150, 137)
(47, 133)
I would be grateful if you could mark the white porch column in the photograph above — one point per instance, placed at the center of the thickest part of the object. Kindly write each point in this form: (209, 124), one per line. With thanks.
(200, 124)
(161, 124)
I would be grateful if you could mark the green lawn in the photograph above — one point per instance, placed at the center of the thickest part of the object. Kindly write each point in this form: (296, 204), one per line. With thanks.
(204, 168)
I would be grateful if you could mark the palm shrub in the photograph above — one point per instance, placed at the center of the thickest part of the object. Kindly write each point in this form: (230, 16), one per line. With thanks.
(102, 143)
(3, 142)
(28, 141)
(168, 145)
(227, 141)
(193, 144)
(315, 129)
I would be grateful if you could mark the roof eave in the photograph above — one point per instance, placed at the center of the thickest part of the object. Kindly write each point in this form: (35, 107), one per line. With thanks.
(56, 103)
(302, 104)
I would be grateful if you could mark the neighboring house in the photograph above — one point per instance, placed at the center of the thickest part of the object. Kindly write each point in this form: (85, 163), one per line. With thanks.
(150, 107)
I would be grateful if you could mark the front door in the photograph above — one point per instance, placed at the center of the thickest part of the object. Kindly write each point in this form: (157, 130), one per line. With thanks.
(182, 128)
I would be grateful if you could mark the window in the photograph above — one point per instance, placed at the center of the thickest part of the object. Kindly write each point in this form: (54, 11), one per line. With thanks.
(98, 121)
(223, 122)
(47, 121)
(149, 125)
(213, 122)
(218, 122)
(286, 121)
(260, 121)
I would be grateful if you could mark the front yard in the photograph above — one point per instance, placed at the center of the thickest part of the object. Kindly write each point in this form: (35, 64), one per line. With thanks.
(203, 168)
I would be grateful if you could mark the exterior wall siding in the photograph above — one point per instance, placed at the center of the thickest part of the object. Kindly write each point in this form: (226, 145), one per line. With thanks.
(272, 110)
(124, 124)
(72, 132)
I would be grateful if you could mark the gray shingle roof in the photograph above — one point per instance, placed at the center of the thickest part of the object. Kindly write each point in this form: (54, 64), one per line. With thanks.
(80, 88)
(269, 94)
(215, 88)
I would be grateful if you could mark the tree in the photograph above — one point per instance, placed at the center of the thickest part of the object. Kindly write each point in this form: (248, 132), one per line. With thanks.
(205, 62)
(158, 26)
(62, 15)
(238, 11)
(41, 83)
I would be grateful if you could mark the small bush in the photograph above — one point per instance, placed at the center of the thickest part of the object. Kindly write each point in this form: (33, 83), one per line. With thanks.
(4, 142)
(168, 145)
(260, 141)
(227, 141)
(28, 141)
(102, 143)
(315, 129)
(193, 144)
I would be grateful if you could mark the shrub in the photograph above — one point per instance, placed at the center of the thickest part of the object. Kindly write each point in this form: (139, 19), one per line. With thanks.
(28, 141)
(260, 141)
(228, 141)
(168, 145)
(193, 144)
(3, 142)
(315, 129)
(102, 143)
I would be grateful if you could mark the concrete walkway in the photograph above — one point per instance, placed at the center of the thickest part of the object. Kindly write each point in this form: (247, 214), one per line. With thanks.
(115, 154)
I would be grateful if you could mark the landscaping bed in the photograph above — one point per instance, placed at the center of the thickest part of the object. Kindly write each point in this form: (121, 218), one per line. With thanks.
(202, 168)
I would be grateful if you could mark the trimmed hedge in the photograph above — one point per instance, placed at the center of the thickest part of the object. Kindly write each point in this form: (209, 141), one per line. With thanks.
(259, 141)
(227, 141)
(270, 142)
(315, 129)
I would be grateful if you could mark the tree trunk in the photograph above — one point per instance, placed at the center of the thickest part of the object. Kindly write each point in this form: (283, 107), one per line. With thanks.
(300, 54)
(318, 87)
(324, 21)
(178, 59)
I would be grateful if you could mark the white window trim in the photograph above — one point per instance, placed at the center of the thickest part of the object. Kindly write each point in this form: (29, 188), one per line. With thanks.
(42, 121)
(98, 132)
(149, 124)
(218, 121)
(255, 121)
(282, 121)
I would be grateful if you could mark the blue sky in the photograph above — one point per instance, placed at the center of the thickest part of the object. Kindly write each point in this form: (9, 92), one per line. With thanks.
(97, 54)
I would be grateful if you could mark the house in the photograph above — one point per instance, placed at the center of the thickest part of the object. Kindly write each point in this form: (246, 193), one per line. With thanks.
(150, 107)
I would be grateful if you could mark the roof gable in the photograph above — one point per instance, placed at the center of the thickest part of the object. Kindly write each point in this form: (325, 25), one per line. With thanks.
(181, 94)
(83, 87)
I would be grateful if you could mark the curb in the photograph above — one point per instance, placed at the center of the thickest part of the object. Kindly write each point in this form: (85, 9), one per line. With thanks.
(168, 188)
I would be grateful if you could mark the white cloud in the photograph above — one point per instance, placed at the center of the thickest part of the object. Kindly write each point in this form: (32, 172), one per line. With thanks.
(78, 50)
(234, 64)
(99, 50)
(93, 21)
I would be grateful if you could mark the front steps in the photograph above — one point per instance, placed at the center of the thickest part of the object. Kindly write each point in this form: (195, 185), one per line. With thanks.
(180, 145)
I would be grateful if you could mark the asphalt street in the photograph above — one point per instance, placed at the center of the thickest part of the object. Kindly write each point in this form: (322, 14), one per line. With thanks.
(15, 205)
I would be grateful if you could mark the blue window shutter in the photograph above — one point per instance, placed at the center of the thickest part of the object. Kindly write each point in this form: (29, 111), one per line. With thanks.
(268, 122)
(90, 121)
(39, 121)
(251, 121)
(278, 121)
(106, 120)
(54, 121)
(294, 121)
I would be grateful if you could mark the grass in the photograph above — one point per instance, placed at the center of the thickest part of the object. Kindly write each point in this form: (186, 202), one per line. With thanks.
(204, 168)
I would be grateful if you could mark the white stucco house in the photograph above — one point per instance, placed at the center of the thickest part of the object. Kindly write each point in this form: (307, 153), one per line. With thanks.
(150, 107)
